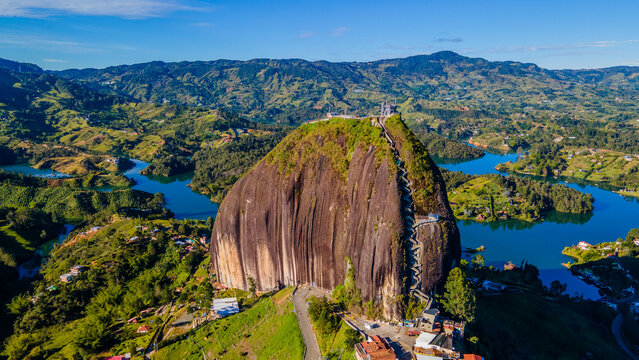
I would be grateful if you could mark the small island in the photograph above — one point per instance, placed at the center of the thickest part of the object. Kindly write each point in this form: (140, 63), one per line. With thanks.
(496, 197)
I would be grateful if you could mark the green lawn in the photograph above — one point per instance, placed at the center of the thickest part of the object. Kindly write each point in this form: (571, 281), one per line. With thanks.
(267, 330)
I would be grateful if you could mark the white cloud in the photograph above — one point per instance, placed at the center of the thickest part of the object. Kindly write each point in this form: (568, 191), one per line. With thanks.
(340, 31)
(306, 34)
(117, 8)
(59, 61)
(555, 47)
(203, 24)
(44, 43)
(450, 39)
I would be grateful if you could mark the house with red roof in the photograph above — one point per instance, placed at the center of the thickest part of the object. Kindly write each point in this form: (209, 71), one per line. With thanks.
(143, 329)
(375, 348)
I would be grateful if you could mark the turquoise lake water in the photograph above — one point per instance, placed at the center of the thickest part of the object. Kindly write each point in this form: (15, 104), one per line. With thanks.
(28, 170)
(541, 243)
(184, 203)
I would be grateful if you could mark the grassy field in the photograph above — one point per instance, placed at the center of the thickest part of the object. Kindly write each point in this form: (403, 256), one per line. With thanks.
(628, 193)
(14, 248)
(334, 346)
(588, 164)
(490, 141)
(266, 330)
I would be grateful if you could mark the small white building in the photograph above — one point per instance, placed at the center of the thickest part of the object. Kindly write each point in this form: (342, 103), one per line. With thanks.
(77, 269)
(66, 278)
(584, 245)
(225, 307)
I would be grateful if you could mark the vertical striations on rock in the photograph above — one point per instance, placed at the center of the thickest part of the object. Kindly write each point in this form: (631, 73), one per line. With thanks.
(329, 190)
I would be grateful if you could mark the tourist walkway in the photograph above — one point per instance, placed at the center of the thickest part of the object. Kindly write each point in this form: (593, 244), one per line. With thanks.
(411, 226)
(301, 310)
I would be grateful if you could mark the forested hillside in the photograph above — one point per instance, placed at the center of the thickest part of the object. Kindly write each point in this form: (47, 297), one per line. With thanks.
(291, 90)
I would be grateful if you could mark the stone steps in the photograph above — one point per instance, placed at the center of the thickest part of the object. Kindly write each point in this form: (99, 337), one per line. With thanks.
(410, 222)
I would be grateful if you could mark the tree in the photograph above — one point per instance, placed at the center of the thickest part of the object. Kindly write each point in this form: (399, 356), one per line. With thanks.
(321, 313)
(459, 298)
(252, 286)
(478, 261)
(204, 295)
(19, 304)
(17, 347)
(557, 288)
(92, 334)
(352, 338)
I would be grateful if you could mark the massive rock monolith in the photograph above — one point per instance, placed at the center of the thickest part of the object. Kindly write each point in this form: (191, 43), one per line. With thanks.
(329, 191)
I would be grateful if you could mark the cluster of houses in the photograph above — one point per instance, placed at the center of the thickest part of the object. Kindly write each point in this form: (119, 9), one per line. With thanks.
(74, 271)
(437, 339)
(582, 245)
(145, 328)
(189, 244)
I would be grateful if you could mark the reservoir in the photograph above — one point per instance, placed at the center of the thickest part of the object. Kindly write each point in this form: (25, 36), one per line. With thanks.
(541, 243)
(184, 203)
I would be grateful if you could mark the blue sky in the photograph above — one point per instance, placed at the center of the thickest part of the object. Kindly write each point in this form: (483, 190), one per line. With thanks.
(60, 34)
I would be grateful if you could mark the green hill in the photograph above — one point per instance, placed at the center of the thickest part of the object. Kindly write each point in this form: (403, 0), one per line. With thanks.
(289, 90)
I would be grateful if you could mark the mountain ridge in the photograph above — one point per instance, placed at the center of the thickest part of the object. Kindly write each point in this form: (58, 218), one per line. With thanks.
(291, 90)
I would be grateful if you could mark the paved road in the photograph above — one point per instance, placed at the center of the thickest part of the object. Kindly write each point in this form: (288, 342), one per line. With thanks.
(301, 310)
(616, 331)
(397, 336)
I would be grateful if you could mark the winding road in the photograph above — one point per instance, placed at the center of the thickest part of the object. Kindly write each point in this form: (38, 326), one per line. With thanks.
(616, 331)
(301, 310)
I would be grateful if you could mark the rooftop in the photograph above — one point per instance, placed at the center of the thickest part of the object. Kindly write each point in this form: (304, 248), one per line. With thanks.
(377, 349)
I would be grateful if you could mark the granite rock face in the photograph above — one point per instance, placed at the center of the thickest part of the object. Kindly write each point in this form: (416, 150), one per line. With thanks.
(324, 194)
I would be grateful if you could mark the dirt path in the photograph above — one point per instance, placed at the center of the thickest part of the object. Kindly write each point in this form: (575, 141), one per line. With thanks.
(301, 310)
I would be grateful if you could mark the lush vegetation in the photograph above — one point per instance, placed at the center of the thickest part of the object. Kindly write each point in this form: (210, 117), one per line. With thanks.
(68, 204)
(497, 197)
(131, 265)
(218, 168)
(442, 147)
(436, 86)
(335, 338)
(590, 164)
(335, 139)
(611, 266)
(422, 171)
(44, 108)
(266, 330)
(459, 298)
(529, 320)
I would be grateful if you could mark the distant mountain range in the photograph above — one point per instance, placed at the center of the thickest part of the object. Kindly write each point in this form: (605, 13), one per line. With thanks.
(292, 90)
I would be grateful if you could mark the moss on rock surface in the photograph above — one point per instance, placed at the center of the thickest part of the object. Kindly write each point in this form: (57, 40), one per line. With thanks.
(336, 139)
